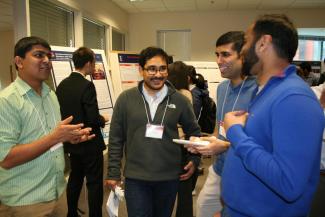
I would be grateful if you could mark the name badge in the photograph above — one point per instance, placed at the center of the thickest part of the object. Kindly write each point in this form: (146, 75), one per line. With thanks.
(154, 131)
(222, 131)
(59, 145)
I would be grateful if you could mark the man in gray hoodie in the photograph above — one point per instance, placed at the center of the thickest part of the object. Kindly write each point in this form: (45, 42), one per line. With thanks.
(144, 123)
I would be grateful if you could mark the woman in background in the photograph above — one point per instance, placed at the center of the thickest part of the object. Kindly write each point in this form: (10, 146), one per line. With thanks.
(178, 76)
(198, 88)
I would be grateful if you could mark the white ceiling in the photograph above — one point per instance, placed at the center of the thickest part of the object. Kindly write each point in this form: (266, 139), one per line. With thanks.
(6, 17)
(210, 5)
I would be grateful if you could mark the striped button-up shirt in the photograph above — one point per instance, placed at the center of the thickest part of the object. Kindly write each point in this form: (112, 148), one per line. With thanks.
(25, 117)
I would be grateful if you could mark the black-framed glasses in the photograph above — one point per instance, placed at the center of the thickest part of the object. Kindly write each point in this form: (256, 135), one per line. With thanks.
(152, 70)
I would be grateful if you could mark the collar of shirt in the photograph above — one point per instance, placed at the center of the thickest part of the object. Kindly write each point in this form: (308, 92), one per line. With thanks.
(192, 86)
(80, 73)
(23, 87)
(259, 89)
(154, 100)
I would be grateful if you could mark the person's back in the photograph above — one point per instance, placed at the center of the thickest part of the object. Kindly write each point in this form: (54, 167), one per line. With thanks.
(72, 95)
(77, 98)
(178, 76)
(310, 77)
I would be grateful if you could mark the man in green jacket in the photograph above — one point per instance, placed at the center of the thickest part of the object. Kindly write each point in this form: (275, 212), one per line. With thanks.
(144, 123)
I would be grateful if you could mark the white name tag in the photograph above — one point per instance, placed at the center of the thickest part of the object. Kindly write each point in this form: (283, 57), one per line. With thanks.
(154, 131)
(59, 145)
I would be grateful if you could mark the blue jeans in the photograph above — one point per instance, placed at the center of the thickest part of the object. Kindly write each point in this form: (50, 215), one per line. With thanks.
(150, 198)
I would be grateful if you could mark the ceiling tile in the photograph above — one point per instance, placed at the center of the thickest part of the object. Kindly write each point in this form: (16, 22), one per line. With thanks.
(308, 4)
(212, 4)
(240, 4)
(179, 3)
(184, 8)
(149, 4)
(158, 9)
(275, 4)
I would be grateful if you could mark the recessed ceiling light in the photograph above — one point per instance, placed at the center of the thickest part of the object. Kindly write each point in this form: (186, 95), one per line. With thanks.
(136, 0)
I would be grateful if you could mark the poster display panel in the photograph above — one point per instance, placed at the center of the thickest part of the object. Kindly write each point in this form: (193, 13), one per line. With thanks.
(125, 70)
(62, 66)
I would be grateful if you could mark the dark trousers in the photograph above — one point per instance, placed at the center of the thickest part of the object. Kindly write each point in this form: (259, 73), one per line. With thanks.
(150, 198)
(318, 206)
(185, 198)
(91, 167)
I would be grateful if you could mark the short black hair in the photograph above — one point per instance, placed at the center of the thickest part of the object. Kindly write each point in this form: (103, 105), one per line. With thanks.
(177, 75)
(26, 44)
(151, 52)
(283, 32)
(235, 37)
(81, 56)
(191, 72)
(196, 78)
(305, 66)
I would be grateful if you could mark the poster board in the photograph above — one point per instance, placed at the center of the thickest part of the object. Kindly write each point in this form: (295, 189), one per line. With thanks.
(210, 72)
(125, 70)
(62, 66)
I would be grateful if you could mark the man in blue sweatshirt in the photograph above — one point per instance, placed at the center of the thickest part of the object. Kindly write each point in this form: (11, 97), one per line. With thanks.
(272, 167)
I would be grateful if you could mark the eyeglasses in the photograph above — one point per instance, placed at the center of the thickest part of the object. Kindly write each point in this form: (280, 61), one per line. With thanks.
(152, 70)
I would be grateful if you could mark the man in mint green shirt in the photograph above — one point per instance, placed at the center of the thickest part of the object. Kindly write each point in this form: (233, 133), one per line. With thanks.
(31, 135)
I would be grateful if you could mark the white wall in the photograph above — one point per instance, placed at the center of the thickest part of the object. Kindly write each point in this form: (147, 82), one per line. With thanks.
(7, 53)
(207, 26)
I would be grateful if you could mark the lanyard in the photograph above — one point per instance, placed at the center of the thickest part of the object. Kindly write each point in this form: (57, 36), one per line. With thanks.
(226, 94)
(145, 107)
(39, 116)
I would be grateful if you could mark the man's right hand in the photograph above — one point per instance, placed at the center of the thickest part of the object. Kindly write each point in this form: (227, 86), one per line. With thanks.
(216, 146)
(66, 132)
(112, 183)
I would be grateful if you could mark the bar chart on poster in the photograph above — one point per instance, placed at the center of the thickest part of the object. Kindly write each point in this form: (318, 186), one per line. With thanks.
(62, 66)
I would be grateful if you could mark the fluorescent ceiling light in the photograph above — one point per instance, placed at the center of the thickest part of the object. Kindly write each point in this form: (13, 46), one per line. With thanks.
(136, 0)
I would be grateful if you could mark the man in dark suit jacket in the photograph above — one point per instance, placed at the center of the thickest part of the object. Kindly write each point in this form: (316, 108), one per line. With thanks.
(77, 97)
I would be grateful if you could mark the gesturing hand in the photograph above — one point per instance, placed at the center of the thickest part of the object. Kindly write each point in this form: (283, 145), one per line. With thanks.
(66, 132)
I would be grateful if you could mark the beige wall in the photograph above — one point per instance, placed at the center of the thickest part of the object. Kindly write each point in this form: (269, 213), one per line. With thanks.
(207, 27)
(7, 53)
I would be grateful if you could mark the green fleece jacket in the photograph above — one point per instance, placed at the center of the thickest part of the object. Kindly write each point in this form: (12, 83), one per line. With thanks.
(149, 159)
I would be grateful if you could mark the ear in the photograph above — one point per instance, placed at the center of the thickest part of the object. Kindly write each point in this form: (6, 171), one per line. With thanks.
(19, 62)
(263, 43)
(141, 70)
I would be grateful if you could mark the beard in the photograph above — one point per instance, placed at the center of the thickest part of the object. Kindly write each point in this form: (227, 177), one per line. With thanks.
(249, 60)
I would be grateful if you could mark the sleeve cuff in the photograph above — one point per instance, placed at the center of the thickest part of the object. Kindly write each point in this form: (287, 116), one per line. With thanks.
(234, 134)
